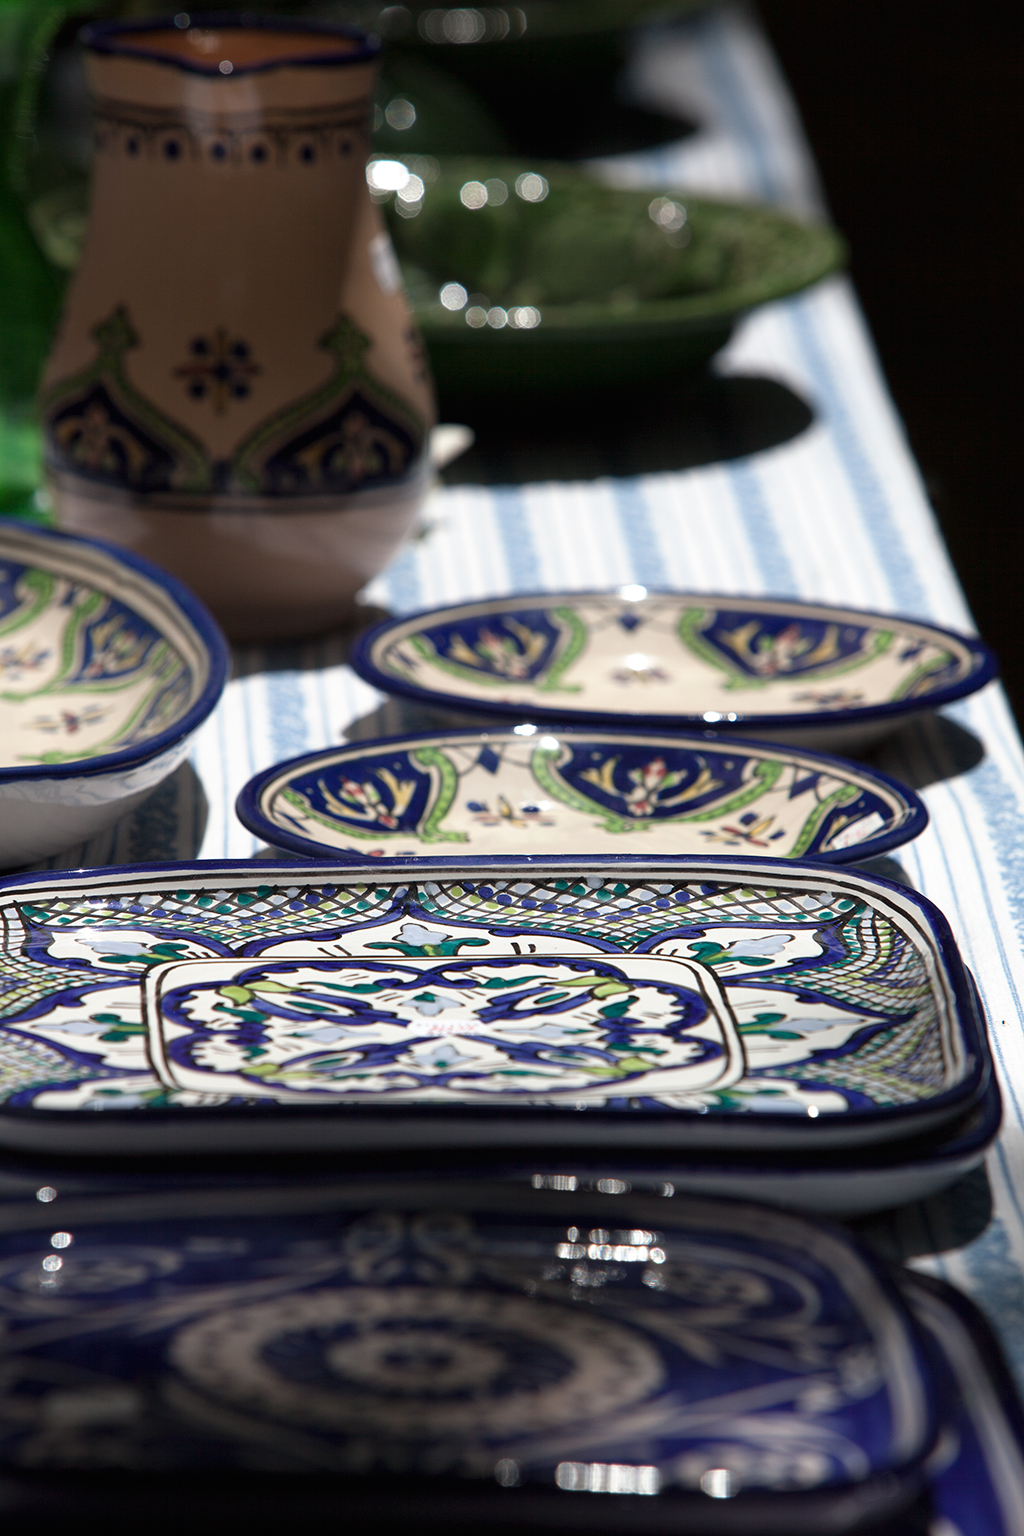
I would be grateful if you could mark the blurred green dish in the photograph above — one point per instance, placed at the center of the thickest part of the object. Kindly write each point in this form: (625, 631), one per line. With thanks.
(548, 73)
(538, 278)
(529, 20)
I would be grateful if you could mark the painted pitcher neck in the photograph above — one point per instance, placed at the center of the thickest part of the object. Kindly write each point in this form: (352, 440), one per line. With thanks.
(266, 73)
(222, 46)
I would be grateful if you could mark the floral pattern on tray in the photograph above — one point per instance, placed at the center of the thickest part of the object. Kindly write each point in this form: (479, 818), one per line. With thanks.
(631, 993)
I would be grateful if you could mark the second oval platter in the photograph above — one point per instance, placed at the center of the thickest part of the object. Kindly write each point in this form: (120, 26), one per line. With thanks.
(804, 672)
(520, 789)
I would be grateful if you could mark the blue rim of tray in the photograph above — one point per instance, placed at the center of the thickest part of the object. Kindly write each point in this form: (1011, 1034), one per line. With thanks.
(868, 1127)
(973, 1132)
(247, 803)
(195, 612)
(104, 37)
(981, 1395)
(987, 667)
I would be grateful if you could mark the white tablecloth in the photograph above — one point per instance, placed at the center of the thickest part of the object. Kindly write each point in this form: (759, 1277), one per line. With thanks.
(838, 513)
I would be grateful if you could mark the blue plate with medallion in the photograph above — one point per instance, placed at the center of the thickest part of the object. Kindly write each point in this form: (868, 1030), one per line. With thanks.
(802, 672)
(519, 789)
(459, 1352)
(612, 1005)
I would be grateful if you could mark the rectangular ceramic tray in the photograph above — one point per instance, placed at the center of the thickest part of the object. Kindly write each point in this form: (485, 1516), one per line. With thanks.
(628, 1004)
(459, 1356)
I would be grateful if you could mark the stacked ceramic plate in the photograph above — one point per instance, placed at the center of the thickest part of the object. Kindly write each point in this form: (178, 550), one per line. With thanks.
(746, 1026)
(475, 1355)
(608, 810)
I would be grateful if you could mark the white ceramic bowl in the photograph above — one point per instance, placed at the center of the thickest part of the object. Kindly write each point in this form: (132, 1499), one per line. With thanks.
(107, 667)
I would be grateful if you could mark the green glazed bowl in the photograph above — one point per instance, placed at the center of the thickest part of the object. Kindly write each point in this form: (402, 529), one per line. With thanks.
(539, 278)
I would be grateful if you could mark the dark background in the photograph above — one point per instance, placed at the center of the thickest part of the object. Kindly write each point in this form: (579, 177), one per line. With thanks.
(915, 113)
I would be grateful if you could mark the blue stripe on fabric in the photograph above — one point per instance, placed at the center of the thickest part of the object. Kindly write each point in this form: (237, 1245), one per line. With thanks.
(877, 512)
(876, 507)
(521, 558)
(1001, 809)
(719, 70)
(224, 757)
(772, 560)
(153, 832)
(1000, 806)
(245, 699)
(638, 534)
(1004, 958)
(989, 1262)
(1011, 1183)
(936, 761)
(404, 587)
(288, 725)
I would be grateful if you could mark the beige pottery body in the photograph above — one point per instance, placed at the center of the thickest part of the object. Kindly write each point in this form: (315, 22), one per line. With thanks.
(237, 390)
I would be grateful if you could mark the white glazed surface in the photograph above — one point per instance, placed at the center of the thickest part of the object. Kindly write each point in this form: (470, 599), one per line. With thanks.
(774, 1004)
(40, 817)
(266, 574)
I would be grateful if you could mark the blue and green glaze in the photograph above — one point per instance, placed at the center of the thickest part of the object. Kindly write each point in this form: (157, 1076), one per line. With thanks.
(577, 792)
(702, 992)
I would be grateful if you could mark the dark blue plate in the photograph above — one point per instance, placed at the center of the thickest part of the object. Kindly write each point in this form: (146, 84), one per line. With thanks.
(465, 1354)
(977, 1472)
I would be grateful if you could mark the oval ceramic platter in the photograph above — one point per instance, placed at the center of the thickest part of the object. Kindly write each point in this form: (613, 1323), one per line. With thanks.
(107, 666)
(789, 670)
(518, 1356)
(628, 1004)
(521, 790)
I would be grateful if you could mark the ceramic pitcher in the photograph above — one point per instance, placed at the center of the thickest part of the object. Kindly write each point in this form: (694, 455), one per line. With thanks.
(237, 389)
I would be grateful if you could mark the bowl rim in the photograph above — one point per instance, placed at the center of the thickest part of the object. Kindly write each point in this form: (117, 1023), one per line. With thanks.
(111, 38)
(986, 668)
(194, 611)
(249, 811)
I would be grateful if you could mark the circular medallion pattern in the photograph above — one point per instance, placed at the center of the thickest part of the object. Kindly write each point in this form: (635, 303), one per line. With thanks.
(419, 1362)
